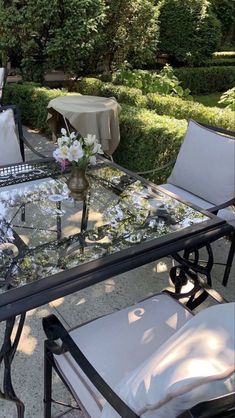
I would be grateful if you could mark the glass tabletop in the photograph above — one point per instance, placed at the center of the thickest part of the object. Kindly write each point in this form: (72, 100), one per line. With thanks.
(43, 231)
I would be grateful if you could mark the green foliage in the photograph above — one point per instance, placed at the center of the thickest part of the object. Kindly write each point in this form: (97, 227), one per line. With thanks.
(165, 82)
(47, 34)
(228, 98)
(32, 101)
(130, 32)
(206, 79)
(225, 12)
(149, 140)
(224, 54)
(163, 105)
(184, 109)
(189, 31)
(90, 86)
(225, 62)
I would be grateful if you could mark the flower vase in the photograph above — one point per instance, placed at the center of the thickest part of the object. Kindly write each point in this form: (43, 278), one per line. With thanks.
(78, 183)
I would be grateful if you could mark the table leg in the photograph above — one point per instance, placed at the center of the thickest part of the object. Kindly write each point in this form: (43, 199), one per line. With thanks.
(189, 267)
(7, 353)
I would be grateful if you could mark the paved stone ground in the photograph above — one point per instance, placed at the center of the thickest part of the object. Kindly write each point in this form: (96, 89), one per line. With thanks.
(113, 294)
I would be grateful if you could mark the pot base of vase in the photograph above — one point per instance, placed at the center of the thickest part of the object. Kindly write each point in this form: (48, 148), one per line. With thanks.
(78, 195)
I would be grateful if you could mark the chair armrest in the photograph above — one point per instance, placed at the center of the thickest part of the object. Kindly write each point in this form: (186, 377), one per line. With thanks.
(55, 330)
(28, 145)
(155, 170)
(215, 209)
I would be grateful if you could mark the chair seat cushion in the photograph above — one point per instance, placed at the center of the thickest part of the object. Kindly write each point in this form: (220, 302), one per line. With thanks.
(205, 165)
(9, 144)
(228, 214)
(116, 344)
(195, 364)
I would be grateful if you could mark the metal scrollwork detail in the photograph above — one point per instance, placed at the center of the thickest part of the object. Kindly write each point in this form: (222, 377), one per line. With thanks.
(189, 268)
(7, 353)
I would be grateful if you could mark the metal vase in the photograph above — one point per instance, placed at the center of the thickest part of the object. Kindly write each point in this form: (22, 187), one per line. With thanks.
(78, 183)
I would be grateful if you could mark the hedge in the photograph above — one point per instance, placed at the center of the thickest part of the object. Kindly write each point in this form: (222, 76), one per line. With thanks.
(123, 94)
(148, 140)
(202, 80)
(184, 109)
(223, 54)
(164, 105)
(223, 62)
(32, 101)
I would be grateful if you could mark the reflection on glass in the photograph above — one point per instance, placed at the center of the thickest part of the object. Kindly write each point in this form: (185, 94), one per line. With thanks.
(43, 231)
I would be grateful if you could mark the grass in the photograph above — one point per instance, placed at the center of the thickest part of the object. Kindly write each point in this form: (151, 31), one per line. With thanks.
(210, 100)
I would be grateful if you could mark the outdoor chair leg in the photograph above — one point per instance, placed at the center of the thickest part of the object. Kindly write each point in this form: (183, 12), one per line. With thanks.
(229, 261)
(47, 384)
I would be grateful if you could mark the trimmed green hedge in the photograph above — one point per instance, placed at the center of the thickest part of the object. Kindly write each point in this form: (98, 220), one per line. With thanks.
(164, 105)
(224, 54)
(148, 140)
(123, 94)
(183, 109)
(32, 101)
(206, 79)
(223, 62)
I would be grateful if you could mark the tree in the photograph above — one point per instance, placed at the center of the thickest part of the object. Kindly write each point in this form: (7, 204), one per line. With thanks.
(130, 32)
(225, 13)
(189, 31)
(49, 34)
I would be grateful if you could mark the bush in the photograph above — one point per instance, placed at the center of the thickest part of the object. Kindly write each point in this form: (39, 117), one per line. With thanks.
(32, 101)
(224, 54)
(89, 85)
(148, 140)
(165, 105)
(164, 82)
(223, 62)
(206, 79)
(189, 31)
(228, 98)
(184, 109)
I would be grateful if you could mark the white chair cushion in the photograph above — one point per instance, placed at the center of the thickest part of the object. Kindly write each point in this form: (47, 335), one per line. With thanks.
(1, 77)
(9, 144)
(228, 214)
(195, 364)
(205, 165)
(116, 344)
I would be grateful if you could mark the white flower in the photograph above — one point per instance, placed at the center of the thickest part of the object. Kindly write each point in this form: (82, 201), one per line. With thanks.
(92, 160)
(57, 154)
(64, 132)
(63, 141)
(64, 152)
(97, 149)
(75, 152)
(72, 135)
(90, 140)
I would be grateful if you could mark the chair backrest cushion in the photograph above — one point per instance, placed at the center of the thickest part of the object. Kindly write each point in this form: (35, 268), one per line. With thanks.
(9, 143)
(205, 165)
(194, 365)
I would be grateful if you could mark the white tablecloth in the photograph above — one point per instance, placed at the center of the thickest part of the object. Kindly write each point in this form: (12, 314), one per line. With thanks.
(88, 115)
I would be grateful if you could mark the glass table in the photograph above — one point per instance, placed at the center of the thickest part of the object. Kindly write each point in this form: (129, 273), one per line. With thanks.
(51, 245)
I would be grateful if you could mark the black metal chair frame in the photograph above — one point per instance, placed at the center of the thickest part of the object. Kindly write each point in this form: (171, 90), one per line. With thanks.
(3, 85)
(217, 408)
(22, 140)
(214, 209)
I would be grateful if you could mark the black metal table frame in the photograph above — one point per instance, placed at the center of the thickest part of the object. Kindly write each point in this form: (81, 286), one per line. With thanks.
(20, 300)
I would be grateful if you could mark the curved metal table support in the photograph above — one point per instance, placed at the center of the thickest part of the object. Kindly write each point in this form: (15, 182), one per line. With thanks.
(7, 353)
(188, 269)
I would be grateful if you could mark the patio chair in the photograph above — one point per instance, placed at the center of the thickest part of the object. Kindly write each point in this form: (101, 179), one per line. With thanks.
(151, 360)
(12, 140)
(3, 78)
(204, 175)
